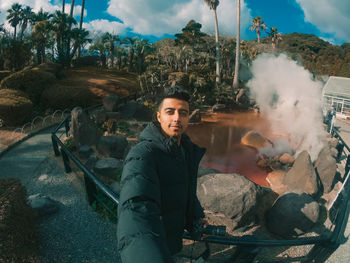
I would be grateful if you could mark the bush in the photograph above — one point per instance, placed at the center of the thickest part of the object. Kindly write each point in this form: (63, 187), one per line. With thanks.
(15, 107)
(63, 97)
(17, 222)
(31, 81)
(50, 67)
(4, 74)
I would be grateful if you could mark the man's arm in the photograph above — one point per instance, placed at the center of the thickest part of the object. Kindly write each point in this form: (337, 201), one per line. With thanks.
(141, 236)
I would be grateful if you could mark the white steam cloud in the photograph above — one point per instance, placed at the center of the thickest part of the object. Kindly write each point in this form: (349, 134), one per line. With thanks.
(290, 100)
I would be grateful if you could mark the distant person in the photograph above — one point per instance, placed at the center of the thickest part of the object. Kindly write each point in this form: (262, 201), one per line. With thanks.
(158, 198)
(330, 118)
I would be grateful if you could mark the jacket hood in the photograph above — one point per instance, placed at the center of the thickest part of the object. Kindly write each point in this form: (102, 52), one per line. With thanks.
(152, 133)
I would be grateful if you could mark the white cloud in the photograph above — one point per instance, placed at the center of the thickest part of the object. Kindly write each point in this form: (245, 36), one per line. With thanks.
(332, 17)
(157, 17)
(105, 26)
(36, 5)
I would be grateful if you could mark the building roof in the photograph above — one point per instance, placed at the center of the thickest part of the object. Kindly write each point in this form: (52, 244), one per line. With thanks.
(338, 87)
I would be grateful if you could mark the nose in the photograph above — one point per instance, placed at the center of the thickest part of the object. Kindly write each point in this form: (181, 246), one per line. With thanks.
(176, 116)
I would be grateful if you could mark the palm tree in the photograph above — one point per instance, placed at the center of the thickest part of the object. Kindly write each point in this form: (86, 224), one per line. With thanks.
(257, 25)
(14, 17)
(40, 36)
(26, 16)
(213, 4)
(275, 37)
(80, 37)
(235, 79)
(131, 42)
(81, 22)
(63, 5)
(62, 32)
(110, 40)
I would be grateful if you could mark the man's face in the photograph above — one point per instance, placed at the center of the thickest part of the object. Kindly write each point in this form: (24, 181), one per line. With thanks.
(173, 116)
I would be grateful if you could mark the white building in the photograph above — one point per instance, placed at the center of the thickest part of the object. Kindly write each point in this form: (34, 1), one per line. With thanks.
(336, 92)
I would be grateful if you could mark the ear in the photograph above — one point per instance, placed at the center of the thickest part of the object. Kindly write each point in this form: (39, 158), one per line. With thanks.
(158, 116)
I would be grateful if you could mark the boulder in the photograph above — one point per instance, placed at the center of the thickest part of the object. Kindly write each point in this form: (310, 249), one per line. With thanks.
(332, 142)
(326, 168)
(286, 158)
(230, 195)
(137, 111)
(114, 115)
(195, 116)
(302, 176)
(218, 108)
(255, 140)
(205, 170)
(15, 107)
(82, 128)
(115, 187)
(99, 116)
(112, 146)
(91, 161)
(110, 103)
(85, 151)
(108, 167)
(292, 214)
(43, 205)
(275, 179)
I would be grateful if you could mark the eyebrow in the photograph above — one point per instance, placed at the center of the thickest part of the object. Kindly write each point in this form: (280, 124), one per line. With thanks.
(183, 110)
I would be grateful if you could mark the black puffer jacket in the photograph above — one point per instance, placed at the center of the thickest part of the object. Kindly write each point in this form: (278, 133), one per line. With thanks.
(158, 197)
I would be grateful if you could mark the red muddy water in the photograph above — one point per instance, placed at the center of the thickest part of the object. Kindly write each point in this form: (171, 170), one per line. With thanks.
(221, 134)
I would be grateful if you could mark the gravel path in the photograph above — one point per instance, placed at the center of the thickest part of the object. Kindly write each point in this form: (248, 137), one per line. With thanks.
(76, 233)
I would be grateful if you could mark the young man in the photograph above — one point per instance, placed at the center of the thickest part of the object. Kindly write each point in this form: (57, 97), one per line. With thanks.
(158, 187)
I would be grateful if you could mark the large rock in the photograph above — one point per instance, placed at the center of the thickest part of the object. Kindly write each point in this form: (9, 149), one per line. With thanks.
(292, 214)
(255, 140)
(275, 179)
(43, 205)
(231, 195)
(112, 146)
(83, 129)
(110, 103)
(137, 111)
(286, 158)
(85, 151)
(326, 168)
(108, 167)
(195, 116)
(302, 176)
(99, 116)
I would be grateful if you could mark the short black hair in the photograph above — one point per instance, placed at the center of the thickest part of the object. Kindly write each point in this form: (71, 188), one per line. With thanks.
(177, 93)
(174, 92)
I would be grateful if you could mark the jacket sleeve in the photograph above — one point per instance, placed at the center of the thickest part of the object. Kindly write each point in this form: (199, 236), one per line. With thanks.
(198, 209)
(141, 237)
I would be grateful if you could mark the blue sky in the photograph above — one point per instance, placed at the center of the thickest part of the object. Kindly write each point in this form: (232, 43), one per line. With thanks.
(155, 19)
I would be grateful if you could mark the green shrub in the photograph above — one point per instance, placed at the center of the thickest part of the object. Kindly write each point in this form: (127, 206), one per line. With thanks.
(69, 142)
(15, 107)
(31, 81)
(63, 97)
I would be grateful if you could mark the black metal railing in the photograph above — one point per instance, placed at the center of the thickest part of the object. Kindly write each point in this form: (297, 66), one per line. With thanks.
(330, 239)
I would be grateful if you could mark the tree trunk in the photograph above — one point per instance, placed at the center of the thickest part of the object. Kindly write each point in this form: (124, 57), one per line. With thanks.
(81, 23)
(235, 79)
(63, 5)
(217, 47)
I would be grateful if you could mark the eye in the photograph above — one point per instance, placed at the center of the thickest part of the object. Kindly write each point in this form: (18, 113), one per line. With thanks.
(183, 113)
